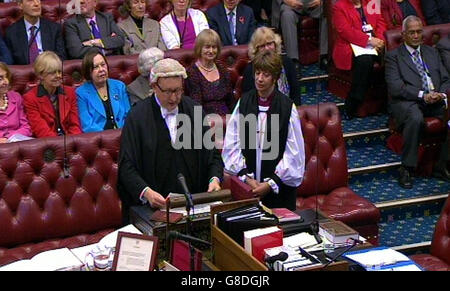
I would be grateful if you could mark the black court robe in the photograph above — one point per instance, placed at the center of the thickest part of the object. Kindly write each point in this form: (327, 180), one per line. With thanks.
(137, 156)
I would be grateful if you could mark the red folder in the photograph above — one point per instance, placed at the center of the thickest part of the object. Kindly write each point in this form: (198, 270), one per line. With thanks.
(265, 241)
(181, 256)
(240, 190)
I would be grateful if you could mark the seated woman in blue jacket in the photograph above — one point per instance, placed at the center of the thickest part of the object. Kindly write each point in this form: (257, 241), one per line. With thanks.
(102, 102)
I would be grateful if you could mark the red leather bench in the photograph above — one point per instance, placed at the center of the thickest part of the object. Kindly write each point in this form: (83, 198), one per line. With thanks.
(325, 183)
(40, 209)
(439, 257)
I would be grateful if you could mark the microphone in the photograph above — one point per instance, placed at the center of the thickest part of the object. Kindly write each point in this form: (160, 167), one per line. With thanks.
(187, 238)
(187, 193)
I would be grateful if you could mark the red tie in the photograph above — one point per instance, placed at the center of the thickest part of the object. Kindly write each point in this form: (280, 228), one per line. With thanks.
(33, 51)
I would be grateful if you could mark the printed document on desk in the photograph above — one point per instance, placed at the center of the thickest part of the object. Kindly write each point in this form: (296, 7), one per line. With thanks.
(382, 259)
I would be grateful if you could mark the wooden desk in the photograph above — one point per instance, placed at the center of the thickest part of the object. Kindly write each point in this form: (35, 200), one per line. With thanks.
(230, 256)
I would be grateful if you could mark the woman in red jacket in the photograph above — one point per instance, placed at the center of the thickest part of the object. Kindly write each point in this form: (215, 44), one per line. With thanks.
(359, 24)
(51, 108)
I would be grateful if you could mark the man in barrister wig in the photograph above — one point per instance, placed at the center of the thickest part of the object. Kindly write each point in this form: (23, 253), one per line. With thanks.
(270, 155)
(150, 157)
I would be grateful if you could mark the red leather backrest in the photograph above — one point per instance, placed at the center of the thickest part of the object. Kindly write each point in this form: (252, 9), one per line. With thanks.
(37, 202)
(440, 246)
(431, 35)
(110, 6)
(23, 78)
(234, 58)
(9, 13)
(325, 154)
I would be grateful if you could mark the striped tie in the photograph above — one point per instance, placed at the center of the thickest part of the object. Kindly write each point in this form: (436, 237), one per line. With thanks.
(33, 51)
(420, 67)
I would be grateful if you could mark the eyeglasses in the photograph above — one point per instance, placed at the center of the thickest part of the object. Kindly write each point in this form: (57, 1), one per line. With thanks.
(266, 45)
(170, 92)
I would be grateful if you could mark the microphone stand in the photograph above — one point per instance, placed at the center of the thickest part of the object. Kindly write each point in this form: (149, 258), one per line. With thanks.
(189, 207)
(314, 226)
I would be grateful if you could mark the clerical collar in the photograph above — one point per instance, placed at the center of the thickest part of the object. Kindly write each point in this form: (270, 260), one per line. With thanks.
(43, 92)
(267, 100)
(164, 111)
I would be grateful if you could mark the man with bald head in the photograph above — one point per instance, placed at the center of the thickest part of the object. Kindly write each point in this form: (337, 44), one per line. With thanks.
(417, 82)
(150, 158)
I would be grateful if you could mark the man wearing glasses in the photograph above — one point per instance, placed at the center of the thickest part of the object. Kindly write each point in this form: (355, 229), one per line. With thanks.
(149, 160)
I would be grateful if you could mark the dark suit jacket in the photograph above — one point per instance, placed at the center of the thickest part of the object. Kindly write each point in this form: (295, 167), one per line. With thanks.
(403, 78)
(5, 55)
(77, 30)
(17, 40)
(41, 114)
(443, 47)
(436, 11)
(245, 23)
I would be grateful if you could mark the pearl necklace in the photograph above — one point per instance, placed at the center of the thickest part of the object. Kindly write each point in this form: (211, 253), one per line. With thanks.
(214, 67)
(5, 103)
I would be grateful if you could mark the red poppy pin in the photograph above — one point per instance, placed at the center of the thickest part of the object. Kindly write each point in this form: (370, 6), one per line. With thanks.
(242, 19)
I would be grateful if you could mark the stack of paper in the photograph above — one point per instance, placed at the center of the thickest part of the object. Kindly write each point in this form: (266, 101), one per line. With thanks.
(382, 259)
(53, 260)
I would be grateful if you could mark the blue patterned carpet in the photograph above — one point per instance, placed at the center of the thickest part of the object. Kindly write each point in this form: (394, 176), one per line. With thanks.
(383, 186)
(364, 124)
(312, 70)
(369, 151)
(400, 225)
(409, 231)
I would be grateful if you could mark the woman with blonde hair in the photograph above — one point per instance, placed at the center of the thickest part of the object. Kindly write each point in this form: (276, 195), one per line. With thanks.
(140, 31)
(13, 121)
(265, 39)
(51, 107)
(180, 27)
(207, 83)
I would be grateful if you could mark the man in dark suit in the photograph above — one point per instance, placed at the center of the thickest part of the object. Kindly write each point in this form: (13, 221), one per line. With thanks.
(443, 46)
(32, 35)
(234, 22)
(5, 55)
(436, 11)
(92, 29)
(417, 82)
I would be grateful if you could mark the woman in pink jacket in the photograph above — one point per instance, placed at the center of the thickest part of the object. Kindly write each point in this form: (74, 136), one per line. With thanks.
(13, 121)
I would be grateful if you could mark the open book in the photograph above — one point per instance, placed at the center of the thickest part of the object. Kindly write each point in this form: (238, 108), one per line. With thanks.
(53, 260)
